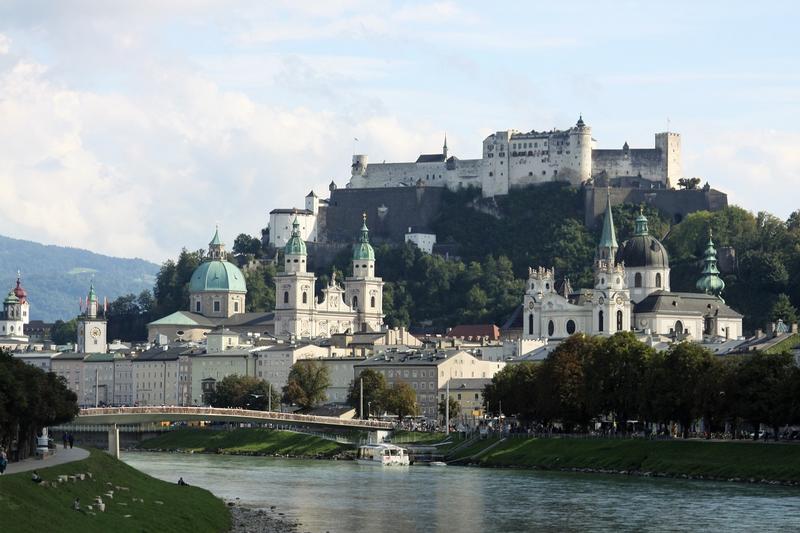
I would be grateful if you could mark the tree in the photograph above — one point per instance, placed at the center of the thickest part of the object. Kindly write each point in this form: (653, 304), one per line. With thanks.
(246, 392)
(688, 183)
(401, 400)
(374, 391)
(245, 244)
(260, 288)
(64, 332)
(512, 391)
(783, 309)
(766, 388)
(455, 408)
(307, 384)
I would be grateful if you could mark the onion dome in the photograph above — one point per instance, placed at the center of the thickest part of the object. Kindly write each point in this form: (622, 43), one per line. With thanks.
(580, 123)
(363, 251)
(643, 250)
(295, 245)
(710, 282)
(11, 299)
(19, 292)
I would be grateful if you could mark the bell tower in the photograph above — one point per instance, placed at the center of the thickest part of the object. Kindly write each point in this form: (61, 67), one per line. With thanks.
(91, 327)
(294, 290)
(612, 300)
(364, 290)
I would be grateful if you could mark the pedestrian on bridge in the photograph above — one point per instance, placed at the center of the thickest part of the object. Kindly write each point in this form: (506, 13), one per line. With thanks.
(64, 439)
(71, 440)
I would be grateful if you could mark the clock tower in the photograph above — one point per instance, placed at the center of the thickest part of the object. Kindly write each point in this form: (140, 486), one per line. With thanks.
(91, 328)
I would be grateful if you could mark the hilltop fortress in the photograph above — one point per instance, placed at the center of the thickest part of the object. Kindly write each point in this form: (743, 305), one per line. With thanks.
(512, 159)
(403, 200)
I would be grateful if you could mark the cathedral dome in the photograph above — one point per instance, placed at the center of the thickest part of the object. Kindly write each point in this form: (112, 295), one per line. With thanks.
(214, 276)
(295, 245)
(362, 250)
(643, 251)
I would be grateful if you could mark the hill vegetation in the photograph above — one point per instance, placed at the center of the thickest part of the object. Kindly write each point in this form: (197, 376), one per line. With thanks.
(56, 277)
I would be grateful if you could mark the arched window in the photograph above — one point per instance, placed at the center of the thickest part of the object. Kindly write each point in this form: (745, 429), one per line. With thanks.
(305, 297)
(600, 321)
(355, 302)
(679, 328)
(551, 328)
(372, 301)
(658, 280)
(619, 320)
(530, 324)
(235, 307)
(637, 280)
(197, 306)
(286, 297)
(570, 327)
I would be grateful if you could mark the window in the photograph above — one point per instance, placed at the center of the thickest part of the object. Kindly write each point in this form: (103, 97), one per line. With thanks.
(530, 324)
(286, 297)
(600, 321)
(619, 320)
(570, 327)
(372, 301)
(235, 307)
(305, 298)
(459, 395)
(216, 306)
(355, 302)
(197, 306)
(637, 280)
(679, 328)
(658, 280)
(551, 328)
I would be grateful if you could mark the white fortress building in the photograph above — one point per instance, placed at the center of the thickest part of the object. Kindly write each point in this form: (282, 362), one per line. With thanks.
(513, 159)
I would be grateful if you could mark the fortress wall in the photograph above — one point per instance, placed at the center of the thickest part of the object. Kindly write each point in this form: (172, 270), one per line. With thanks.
(648, 162)
(675, 203)
(396, 174)
(404, 207)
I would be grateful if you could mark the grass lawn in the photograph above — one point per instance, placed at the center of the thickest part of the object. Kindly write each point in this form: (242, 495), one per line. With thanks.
(26, 506)
(780, 462)
(476, 447)
(254, 440)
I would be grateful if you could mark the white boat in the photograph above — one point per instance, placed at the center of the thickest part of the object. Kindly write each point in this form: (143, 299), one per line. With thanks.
(382, 454)
(437, 463)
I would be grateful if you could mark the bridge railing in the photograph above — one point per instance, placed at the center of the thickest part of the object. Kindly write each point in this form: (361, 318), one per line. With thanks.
(167, 411)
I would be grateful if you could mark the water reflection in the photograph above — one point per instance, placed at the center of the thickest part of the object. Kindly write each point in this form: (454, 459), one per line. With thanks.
(344, 497)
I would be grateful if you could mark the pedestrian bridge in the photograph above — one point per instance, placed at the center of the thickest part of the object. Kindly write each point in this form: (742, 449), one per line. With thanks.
(112, 417)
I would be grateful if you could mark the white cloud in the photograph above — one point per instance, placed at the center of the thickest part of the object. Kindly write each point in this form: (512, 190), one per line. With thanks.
(5, 44)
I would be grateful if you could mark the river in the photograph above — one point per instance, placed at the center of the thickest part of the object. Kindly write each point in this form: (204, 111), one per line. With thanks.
(343, 497)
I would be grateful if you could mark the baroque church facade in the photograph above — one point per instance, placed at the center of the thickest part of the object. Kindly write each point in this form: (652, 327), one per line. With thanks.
(356, 306)
(631, 293)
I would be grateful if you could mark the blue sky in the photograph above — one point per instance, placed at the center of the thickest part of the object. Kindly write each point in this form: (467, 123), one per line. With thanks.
(131, 128)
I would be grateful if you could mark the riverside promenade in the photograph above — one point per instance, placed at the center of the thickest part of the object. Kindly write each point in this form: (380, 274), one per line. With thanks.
(62, 456)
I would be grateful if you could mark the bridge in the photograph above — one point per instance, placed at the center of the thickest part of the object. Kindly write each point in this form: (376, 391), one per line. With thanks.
(115, 416)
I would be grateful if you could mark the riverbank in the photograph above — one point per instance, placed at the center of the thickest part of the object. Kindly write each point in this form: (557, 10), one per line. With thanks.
(247, 520)
(132, 500)
(691, 459)
(252, 441)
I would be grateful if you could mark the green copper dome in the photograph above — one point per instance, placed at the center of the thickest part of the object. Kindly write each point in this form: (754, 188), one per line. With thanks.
(295, 245)
(214, 276)
(11, 298)
(710, 282)
(362, 250)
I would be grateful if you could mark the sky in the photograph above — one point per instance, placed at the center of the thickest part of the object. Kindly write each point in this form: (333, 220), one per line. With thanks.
(133, 128)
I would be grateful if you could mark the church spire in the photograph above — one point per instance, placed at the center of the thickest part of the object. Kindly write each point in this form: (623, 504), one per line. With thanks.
(710, 282)
(641, 223)
(444, 148)
(216, 248)
(608, 246)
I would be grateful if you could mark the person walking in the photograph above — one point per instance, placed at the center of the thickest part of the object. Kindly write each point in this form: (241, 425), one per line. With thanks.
(3, 461)
(71, 439)
(64, 439)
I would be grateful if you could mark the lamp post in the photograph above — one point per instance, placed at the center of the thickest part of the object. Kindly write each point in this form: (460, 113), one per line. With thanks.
(369, 409)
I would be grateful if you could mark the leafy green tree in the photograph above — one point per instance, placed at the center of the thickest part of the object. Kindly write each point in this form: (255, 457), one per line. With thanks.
(246, 392)
(783, 309)
(245, 244)
(401, 399)
(512, 391)
(64, 332)
(260, 288)
(172, 282)
(307, 385)
(766, 389)
(374, 392)
(455, 408)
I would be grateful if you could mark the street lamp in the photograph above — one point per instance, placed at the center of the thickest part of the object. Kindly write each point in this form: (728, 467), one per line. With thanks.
(369, 409)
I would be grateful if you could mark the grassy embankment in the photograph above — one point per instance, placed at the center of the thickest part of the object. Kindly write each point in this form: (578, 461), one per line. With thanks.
(253, 441)
(26, 506)
(718, 460)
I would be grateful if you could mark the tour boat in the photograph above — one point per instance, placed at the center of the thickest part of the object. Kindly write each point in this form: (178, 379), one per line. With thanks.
(382, 454)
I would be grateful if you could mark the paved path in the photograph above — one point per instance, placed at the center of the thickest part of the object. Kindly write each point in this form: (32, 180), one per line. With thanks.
(61, 456)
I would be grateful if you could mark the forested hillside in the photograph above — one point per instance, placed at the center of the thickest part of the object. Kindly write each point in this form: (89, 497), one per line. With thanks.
(542, 226)
(56, 277)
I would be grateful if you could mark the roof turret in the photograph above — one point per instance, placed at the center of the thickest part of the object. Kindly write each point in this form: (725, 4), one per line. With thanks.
(295, 245)
(363, 251)
(641, 224)
(608, 239)
(710, 282)
(19, 292)
(580, 123)
(215, 240)
(92, 295)
(11, 299)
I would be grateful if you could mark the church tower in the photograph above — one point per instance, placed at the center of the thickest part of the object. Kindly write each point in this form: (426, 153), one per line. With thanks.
(612, 300)
(91, 328)
(364, 291)
(710, 282)
(294, 290)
